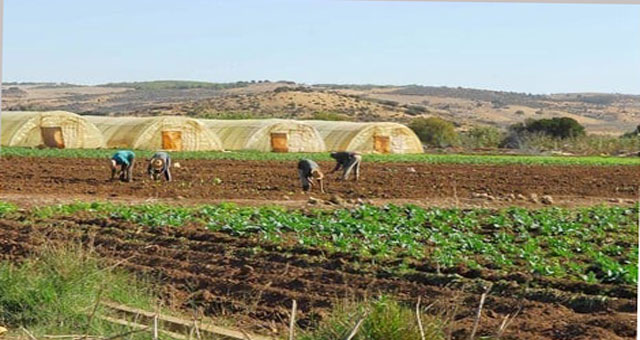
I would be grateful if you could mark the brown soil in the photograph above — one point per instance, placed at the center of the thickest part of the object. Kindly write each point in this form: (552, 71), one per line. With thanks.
(277, 181)
(254, 281)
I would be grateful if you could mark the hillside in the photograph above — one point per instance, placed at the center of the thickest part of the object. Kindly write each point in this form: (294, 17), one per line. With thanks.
(600, 113)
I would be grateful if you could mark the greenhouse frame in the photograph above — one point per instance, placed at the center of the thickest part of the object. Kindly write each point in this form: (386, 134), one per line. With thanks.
(56, 129)
(373, 137)
(170, 133)
(267, 135)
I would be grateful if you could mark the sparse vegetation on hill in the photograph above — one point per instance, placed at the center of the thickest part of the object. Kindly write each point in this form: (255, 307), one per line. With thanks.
(498, 97)
(177, 85)
(330, 116)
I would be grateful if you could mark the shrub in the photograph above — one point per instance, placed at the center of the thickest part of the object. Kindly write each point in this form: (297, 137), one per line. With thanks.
(519, 112)
(386, 102)
(564, 127)
(582, 145)
(230, 115)
(386, 320)
(482, 137)
(415, 110)
(634, 133)
(329, 116)
(435, 131)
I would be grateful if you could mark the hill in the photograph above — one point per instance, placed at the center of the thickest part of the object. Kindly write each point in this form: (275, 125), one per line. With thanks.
(598, 112)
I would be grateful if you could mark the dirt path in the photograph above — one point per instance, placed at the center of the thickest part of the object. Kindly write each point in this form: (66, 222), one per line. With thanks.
(211, 181)
(254, 281)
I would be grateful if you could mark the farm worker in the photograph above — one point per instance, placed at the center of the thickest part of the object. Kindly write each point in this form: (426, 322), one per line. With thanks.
(125, 159)
(347, 161)
(159, 164)
(309, 170)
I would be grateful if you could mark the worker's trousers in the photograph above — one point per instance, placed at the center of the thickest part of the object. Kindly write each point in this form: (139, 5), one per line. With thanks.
(354, 164)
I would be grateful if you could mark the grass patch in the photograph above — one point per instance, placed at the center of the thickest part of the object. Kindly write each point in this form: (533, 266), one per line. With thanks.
(7, 208)
(54, 292)
(384, 319)
(258, 156)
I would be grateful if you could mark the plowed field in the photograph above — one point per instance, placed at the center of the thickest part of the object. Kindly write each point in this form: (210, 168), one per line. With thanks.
(253, 280)
(274, 180)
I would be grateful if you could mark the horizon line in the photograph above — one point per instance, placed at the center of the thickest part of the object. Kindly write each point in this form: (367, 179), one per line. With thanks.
(257, 81)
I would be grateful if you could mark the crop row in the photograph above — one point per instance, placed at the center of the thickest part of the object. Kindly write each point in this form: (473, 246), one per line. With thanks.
(253, 155)
(597, 244)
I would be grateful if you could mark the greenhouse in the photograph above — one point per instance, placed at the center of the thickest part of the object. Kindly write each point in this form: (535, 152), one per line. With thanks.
(56, 129)
(173, 133)
(277, 135)
(367, 137)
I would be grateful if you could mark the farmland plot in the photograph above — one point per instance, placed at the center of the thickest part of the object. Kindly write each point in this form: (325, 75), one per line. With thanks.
(206, 180)
(571, 272)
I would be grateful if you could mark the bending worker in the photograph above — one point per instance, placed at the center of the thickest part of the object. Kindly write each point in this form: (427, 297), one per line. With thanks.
(347, 161)
(125, 159)
(159, 165)
(309, 170)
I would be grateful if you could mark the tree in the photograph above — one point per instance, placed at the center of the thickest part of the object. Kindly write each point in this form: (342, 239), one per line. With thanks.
(563, 127)
(435, 131)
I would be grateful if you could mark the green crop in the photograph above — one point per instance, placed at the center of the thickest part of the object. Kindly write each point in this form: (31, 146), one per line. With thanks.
(259, 156)
(7, 208)
(591, 244)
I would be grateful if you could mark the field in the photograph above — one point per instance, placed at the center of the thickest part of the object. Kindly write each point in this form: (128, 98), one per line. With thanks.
(29, 179)
(563, 270)
(444, 228)
(393, 158)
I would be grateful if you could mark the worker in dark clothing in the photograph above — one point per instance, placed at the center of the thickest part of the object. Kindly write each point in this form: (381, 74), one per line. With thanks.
(160, 164)
(125, 159)
(309, 170)
(348, 161)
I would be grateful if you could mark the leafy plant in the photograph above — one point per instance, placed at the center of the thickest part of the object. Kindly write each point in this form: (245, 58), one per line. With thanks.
(582, 244)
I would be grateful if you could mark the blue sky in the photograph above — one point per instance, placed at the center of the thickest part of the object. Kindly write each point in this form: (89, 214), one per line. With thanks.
(537, 48)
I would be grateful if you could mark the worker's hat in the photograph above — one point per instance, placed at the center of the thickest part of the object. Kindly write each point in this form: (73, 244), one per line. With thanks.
(157, 163)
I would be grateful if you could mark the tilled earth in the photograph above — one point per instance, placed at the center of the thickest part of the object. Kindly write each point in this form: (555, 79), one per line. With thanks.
(204, 180)
(247, 279)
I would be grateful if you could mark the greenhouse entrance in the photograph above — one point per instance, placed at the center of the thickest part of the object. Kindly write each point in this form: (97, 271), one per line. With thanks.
(172, 140)
(279, 142)
(52, 137)
(382, 144)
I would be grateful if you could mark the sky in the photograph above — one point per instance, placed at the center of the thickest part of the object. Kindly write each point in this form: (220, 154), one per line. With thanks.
(533, 48)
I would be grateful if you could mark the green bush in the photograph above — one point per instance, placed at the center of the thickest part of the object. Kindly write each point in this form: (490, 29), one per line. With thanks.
(384, 319)
(482, 137)
(329, 116)
(435, 131)
(563, 127)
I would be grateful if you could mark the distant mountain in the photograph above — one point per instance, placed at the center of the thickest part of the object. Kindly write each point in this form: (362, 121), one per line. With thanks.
(599, 112)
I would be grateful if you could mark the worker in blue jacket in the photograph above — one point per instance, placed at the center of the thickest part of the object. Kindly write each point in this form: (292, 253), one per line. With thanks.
(125, 159)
